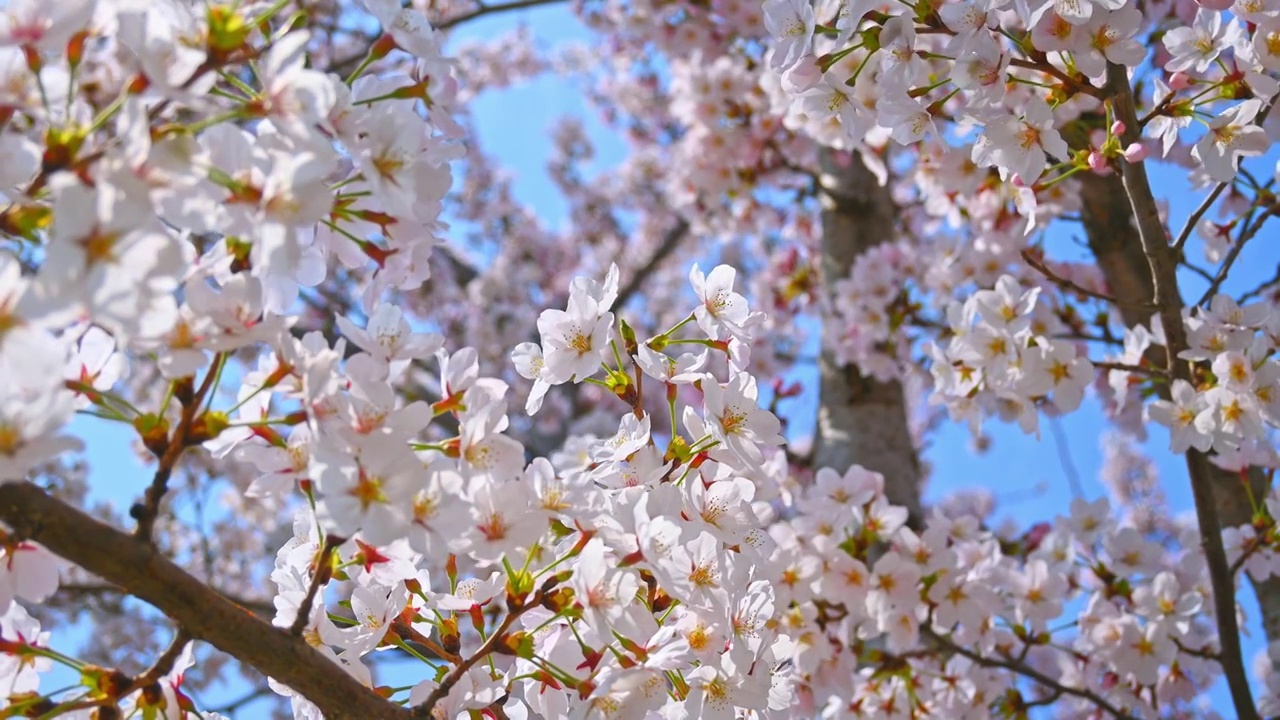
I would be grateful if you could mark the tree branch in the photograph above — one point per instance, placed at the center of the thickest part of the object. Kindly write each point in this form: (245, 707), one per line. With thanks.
(175, 444)
(1163, 262)
(131, 563)
(1066, 284)
(1246, 234)
(1194, 219)
(319, 578)
(670, 242)
(77, 592)
(1028, 672)
(164, 664)
(484, 10)
(442, 690)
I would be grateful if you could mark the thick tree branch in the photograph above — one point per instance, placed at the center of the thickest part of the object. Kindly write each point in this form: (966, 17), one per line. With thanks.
(1115, 243)
(1163, 262)
(130, 563)
(79, 592)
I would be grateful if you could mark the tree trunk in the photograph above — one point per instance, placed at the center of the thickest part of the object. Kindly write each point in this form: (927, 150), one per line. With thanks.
(860, 420)
(1114, 240)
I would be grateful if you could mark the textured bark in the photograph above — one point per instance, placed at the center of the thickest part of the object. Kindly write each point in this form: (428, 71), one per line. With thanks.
(1115, 242)
(1116, 245)
(198, 610)
(860, 420)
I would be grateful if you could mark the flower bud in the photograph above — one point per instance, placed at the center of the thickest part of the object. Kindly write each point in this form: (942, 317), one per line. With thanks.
(1180, 81)
(1135, 153)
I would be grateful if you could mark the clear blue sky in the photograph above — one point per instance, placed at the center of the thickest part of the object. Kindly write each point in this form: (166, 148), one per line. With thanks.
(1015, 465)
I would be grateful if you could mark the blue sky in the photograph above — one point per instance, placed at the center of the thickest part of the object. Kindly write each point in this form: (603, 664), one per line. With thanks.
(1024, 470)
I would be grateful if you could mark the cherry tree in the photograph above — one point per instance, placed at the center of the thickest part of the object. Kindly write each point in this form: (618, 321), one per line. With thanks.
(391, 416)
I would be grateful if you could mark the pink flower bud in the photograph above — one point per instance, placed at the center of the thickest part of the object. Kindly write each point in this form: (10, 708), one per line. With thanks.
(1097, 162)
(1016, 180)
(1135, 153)
(1179, 81)
(1117, 128)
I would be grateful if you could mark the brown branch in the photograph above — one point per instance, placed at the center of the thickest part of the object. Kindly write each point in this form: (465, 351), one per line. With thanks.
(1260, 288)
(257, 693)
(1066, 284)
(484, 10)
(406, 631)
(1163, 262)
(125, 561)
(1028, 672)
(670, 242)
(1126, 367)
(1246, 234)
(319, 578)
(1208, 277)
(1194, 219)
(1081, 86)
(148, 510)
(78, 591)
(164, 664)
(442, 690)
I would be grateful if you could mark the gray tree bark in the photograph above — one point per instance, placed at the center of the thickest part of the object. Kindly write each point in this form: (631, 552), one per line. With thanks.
(860, 420)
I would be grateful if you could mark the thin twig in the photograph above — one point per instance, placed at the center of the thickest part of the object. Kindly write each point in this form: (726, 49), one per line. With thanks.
(233, 706)
(1208, 276)
(148, 510)
(1208, 202)
(425, 709)
(319, 578)
(1064, 457)
(1246, 234)
(484, 10)
(1062, 282)
(161, 667)
(412, 634)
(1260, 288)
(164, 664)
(1028, 672)
(1195, 216)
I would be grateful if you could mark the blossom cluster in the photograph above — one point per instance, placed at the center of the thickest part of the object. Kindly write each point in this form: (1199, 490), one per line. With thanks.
(184, 185)
(1002, 359)
(1235, 396)
(850, 68)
